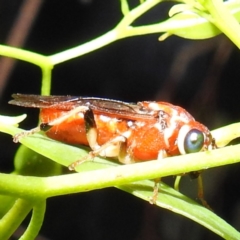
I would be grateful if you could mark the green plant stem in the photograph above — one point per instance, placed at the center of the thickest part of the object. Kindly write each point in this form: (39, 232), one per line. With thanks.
(34, 58)
(46, 80)
(46, 63)
(115, 176)
(223, 19)
(135, 13)
(220, 16)
(85, 48)
(80, 182)
(25, 55)
(36, 221)
(10, 222)
(124, 7)
(122, 30)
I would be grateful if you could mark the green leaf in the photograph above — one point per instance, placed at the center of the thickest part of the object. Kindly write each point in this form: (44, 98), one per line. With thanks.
(174, 201)
(30, 163)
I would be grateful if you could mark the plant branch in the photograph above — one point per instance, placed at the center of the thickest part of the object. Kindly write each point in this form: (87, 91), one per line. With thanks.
(10, 222)
(115, 176)
(36, 221)
(25, 55)
(120, 31)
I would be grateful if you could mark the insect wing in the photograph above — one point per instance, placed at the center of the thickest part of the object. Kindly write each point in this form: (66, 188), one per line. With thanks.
(38, 101)
(98, 105)
(119, 109)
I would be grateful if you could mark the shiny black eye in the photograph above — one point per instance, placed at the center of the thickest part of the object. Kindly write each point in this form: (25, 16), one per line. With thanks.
(193, 141)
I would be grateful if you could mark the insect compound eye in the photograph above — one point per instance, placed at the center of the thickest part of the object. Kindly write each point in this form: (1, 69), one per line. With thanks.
(193, 141)
(190, 140)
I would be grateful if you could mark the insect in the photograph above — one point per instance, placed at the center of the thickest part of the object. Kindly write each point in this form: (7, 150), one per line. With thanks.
(128, 132)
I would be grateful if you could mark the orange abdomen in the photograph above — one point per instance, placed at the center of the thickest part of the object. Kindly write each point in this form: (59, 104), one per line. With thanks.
(72, 130)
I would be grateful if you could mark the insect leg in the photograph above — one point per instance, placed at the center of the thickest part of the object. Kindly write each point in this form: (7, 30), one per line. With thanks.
(162, 154)
(111, 148)
(194, 175)
(91, 129)
(18, 136)
(123, 155)
(154, 197)
(114, 148)
(201, 194)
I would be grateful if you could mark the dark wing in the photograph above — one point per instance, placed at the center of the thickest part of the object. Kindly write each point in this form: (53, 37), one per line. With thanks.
(118, 108)
(100, 105)
(38, 101)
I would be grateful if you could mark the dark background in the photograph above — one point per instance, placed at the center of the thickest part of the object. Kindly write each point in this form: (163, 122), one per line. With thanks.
(201, 76)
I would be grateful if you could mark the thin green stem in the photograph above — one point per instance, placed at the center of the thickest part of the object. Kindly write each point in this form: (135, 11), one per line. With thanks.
(34, 58)
(120, 31)
(124, 7)
(85, 48)
(36, 221)
(221, 17)
(149, 29)
(21, 54)
(46, 80)
(10, 222)
(47, 62)
(134, 14)
(176, 182)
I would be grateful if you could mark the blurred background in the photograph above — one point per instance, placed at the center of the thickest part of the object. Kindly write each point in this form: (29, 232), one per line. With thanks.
(201, 76)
